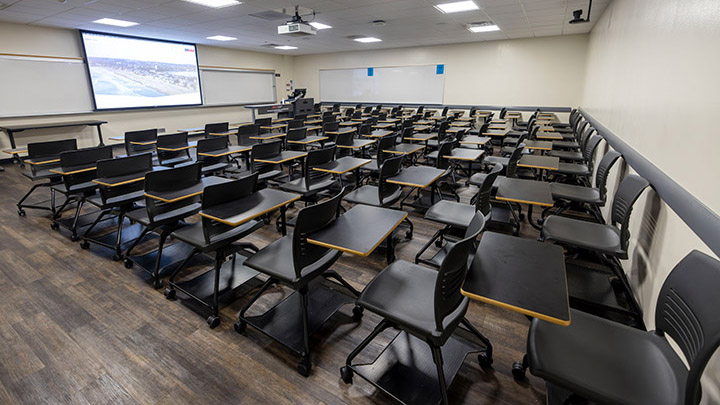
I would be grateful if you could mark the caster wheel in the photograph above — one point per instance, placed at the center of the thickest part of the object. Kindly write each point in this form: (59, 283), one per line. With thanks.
(291, 205)
(303, 368)
(266, 220)
(346, 374)
(74, 238)
(116, 257)
(522, 217)
(240, 326)
(518, 371)
(21, 212)
(278, 227)
(157, 284)
(84, 245)
(213, 321)
(128, 264)
(357, 313)
(438, 243)
(169, 293)
(408, 235)
(54, 226)
(485, 360)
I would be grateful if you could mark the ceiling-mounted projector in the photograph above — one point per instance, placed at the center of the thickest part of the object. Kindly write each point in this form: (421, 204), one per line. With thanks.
(297, 29)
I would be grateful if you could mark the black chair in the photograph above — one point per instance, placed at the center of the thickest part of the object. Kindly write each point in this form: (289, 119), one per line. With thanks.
(585, 198)
(137, 142)
(244, 132)
(578, 173)
(607, 362)
(263, 122)
(432, 144)
(79, 167)
(385, 143)
(571, 154)
(384, 194)
(296, 134)
(213, 165)
(296, 123)
(173, 149)
(216, 128)
(163, 217)
(313, 182)
(43, 156)
(296, 263)
(458, 216)
(266, 171)
(118, 199)
(425, 304)
(214, 238)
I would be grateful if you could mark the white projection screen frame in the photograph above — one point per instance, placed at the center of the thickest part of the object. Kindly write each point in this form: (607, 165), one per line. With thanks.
(130, 72)
(396, 84)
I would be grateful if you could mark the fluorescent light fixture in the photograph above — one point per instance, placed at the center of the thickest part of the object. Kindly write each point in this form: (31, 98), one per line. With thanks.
(457, 7)
(483, 28)
(215, 3)
(320, 26)
(117, 23)
(221, 38)
(366, 40)
(286, 47)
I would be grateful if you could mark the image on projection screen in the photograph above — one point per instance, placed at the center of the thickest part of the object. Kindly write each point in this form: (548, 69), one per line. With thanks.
(128, 72)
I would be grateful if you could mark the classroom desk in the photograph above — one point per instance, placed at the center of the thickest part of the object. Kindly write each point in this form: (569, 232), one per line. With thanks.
(423, 137)
(419, 178)
(358, 144)
(350, 124)
(389, 121)
(424, 122)
(460, 124)
(340, 132)
(178, 147)
(120, 180)
(265, 137)
(528, 192)
(475, 140)
(11, 130)
(188, 192)
(344, 165)
(284, 156)
(404, 149)
(43, 161)
(455, 130)
(360, 231)
(309, 139)
(422, 127)
(383, 126)
(497, 133)
(539, 162)
(378, 133)
(459, 155)
(237, 212)
(555, 136)
(538, 145)
(64, 171)
(522, 275)
(273, 127)
(226, 151)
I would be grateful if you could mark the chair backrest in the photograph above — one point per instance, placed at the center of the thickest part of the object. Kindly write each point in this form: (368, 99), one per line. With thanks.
(444, 111)
(627, 193)
(483, 128)
(532, 133)
(511, 170)
(444, 149)
(163, 181)
(216, 127)
(296, 134)
(317, 107)
(173, 140)
(264, 150)
(472, 111)
(263, 122)
(408, 123)
(580, 128)
(420, 110)
(124, 166)
(390, 167)
(503, 111)
(73, 159)
(296, 123)
(331, 126)
(407, 132)
(451, 275)
(382, 116)
(328, 118)
(52, 148)
(349, 112)
(590, 147)
(212, 144)
(368, 109)
(146, 136)
(365, 129)
(310, 219)
(244, 133)
(222, 193)
(442, 130)
(531, 121)
(336, 107)
(357, 114)
(687, 312)
(482, 198)
(316, 158)
(604, 170)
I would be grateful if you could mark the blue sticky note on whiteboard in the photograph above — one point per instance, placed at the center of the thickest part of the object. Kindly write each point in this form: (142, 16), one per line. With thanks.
(440, 69)
(371, 71)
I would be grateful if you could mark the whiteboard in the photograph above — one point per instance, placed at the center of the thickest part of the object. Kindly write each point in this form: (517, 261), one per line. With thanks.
(43, 86)
(398, 84)
(226, 86)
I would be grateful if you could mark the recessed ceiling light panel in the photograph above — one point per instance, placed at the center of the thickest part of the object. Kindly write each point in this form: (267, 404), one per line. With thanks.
(366, 40)
(320, 26)
(485, 26)
(114, 22)
(286, 47)
(215, 3)
(221, 38)
(457, 7)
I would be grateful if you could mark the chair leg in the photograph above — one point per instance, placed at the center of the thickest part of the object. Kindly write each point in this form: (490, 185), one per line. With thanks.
(118, 240)
(95, 222)
(25, 197)
(485, 340)
(171, 290)
(384, 324)
(270, 281)
(305, 364)
(80, 204)
(214, 320)
(68, 200)
(437, 358)
(437, 235)
(137, 241)
(157, 283)
(334, 275)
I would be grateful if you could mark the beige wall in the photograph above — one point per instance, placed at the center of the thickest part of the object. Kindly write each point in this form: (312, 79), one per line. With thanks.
(545, 71)
(24, 39)
(652, 79)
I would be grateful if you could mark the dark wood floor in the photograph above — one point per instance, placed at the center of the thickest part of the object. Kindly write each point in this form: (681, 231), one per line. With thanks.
(77, 327)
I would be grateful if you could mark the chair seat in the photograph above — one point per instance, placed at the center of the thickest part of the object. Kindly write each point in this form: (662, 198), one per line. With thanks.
(117, 201)
(588, 235)
(371, 167)
(573, 169)
(276, 260)
(606, 362)
(368, 195)
(140, 215)
(432, 155)
(402, 293)
(493, 160)
(566, 154)
(193, 235)
(478, 178)
(451, 213)
(561, 191)
(85, 187)
(300, 186)
(42, 174)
